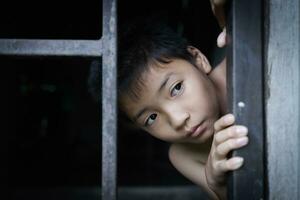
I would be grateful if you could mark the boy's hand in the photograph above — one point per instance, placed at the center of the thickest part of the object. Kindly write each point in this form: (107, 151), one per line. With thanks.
(227, 137)
(217, 7)
(221, 41)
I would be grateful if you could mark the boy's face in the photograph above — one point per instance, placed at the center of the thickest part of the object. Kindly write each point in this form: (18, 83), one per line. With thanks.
(178, 102)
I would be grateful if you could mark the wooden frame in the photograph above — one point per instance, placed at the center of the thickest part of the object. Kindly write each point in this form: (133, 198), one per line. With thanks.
(105, 47)
(282, 47)
(246, 89)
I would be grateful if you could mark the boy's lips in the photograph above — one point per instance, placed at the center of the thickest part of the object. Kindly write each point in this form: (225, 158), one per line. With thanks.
(197, 130)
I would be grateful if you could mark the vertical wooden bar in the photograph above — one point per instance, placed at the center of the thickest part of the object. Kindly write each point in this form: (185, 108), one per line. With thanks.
(283, 100)
(245, 87)
(109, 95)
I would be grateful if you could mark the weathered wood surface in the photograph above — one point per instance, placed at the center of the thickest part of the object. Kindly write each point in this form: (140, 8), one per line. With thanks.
(282, 98)
(245, 88)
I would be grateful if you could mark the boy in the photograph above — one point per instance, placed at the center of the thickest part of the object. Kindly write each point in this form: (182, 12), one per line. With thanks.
(168, 88)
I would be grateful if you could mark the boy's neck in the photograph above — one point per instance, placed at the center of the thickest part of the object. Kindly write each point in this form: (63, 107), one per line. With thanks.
(218, 77)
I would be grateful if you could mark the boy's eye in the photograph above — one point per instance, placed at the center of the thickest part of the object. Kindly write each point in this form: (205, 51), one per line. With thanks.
(150, 120)
(176, 90)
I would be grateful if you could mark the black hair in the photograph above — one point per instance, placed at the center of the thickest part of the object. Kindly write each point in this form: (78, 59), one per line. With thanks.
(141, 44)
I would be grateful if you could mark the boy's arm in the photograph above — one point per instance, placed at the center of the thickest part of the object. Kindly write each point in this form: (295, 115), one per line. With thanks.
(217, 7)
(211, 175)
(190, 167)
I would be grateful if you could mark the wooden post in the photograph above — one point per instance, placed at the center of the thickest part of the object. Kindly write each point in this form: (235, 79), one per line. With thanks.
(282, 98)
(109, 101)
(245, 87)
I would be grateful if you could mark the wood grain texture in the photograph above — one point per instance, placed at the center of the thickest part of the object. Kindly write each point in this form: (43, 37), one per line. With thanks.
(282, 98)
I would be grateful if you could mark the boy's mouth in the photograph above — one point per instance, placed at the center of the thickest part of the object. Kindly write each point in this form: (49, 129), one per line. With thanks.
(197, 130)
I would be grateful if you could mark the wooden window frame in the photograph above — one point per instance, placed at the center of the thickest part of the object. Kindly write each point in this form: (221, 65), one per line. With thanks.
(252, 44)
(245, 83)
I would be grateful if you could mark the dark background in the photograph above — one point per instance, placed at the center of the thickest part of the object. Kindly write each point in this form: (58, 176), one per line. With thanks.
(54, 131)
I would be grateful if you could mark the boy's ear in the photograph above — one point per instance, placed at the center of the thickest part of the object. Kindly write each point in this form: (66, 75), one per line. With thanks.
(200, 60)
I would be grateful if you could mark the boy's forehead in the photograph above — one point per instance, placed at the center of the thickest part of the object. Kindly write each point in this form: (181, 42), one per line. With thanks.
(154, 73)
(146, 84)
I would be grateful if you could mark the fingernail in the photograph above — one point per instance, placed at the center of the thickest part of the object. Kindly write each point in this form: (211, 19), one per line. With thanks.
(242, 141)
(223, 32)
(238, 161)
(241, 130)
(229, 118)
(221, 40)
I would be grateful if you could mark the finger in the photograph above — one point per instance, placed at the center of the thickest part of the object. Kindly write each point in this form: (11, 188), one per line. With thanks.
(230, 132)
(231, 164)
(224, 148)
(218, 2)
(221, 40)
(223, 122)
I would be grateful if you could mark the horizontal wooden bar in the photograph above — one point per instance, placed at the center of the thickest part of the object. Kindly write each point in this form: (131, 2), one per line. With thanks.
(35, 47)
(176, 192)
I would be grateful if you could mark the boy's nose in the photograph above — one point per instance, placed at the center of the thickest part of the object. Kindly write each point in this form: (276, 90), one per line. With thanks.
(177, 116)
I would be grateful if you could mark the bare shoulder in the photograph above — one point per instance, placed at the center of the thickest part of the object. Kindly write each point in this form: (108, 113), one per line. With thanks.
(190, 161)
(182, 152)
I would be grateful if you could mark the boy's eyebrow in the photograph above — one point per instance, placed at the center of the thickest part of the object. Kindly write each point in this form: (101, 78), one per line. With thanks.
(162, 85)
(139, 114)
